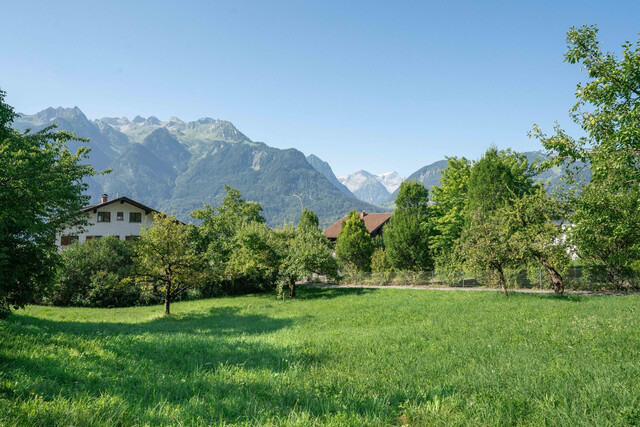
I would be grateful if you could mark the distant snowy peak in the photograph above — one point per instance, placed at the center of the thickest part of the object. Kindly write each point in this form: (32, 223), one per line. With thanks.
(355, 180)
(204, 129)
(390, 180)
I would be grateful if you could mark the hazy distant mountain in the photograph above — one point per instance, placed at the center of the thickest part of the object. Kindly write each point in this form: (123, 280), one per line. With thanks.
(428, 175)
(179, 166)
(106, 143)
(390, 180)
(324, 168)
(374, 189)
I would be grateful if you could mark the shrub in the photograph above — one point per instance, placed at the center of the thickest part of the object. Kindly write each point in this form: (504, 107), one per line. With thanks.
(91, 275)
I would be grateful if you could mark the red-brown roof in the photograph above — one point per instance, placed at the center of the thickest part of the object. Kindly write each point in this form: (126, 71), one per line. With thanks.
(373, 222)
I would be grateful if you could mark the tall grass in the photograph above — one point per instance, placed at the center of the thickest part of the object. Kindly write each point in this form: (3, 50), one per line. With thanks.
(331, 357)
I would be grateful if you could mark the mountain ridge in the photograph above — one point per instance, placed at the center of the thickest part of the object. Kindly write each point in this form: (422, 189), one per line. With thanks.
(179, 166)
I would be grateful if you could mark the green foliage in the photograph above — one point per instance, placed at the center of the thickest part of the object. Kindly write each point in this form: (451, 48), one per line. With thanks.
(535, 237)
(40, 195)
(308, 219)
(380, 261)
(606, 109)
(408, 234)
(90, 274)
(413, 197)
(605, 219)
(449, 208)
(331, 357)
(304, 252)
(499, 177)
(495, 182)
(381, 267)
(253, 263)
(167, 258)
(217, 239)
(354, 245)
(606, 233)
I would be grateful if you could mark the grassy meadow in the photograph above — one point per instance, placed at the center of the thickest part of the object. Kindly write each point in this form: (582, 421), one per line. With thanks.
(330, 357)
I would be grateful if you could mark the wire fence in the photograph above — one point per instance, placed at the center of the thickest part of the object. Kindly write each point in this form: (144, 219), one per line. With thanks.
(575, 278)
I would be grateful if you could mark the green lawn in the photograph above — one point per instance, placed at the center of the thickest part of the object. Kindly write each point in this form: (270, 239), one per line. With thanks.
(333, 356)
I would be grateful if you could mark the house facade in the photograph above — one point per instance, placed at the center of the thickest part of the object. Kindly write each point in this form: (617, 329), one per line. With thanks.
(121, 217)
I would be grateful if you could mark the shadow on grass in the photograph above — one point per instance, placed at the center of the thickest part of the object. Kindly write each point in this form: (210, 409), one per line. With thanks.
(153, 358)
(220, 366)
(550, 296)
(313, 292)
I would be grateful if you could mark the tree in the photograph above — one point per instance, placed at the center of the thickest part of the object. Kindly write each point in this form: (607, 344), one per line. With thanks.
(354, 246)
(495, 182)
(485, 243)
(254, 259)
(92, 273)
(308, 219)
(604, 220)
(534, 235)
(497, 178)
(448, 211)
(305, 251)
(215, 237)
(606, 233)
(167, 259)
(41, 186)
(408, 234)
(606, 109)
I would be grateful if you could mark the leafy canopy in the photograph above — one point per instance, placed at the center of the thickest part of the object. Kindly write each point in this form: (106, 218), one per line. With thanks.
(167, 259)
(41, 186)
(354, 246)
(408, 234)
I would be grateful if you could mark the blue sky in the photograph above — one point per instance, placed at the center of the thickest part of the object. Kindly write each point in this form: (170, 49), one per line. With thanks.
(364, 85)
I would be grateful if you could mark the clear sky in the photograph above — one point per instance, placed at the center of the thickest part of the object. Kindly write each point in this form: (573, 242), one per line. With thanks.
(368, 85)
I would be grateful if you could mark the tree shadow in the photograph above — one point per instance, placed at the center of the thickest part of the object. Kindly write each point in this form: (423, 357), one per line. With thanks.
(224, 365)
(569, 297)
(151, 357)
(313, 292)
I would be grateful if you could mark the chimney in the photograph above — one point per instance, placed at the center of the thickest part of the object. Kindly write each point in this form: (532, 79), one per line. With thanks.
(363, 214)
(104, 198)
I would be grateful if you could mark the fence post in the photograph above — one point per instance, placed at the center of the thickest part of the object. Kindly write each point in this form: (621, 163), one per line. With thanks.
(540, 278)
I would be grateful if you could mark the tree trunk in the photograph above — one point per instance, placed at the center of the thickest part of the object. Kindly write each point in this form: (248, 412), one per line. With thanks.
(167, 300)
(556, 278)
(292, 288)
(503, 282)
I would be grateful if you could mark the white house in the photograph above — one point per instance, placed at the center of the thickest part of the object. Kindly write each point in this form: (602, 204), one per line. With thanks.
(121, 217)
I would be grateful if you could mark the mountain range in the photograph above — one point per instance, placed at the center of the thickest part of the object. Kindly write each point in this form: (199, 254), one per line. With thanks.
(178, 166)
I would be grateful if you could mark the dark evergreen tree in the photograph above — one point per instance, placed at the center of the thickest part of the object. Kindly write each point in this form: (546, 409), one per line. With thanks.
(407, 236)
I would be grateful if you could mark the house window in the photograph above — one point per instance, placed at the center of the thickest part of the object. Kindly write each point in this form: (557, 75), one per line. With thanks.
(120, 216)
(104, 216)
(131, 237)
(92, 237)
(135, 217)
(67, 240)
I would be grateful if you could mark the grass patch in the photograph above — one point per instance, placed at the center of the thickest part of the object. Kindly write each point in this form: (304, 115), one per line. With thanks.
(333, 356)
